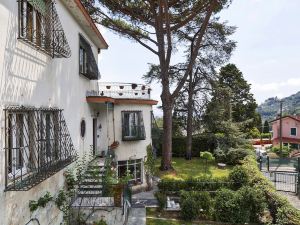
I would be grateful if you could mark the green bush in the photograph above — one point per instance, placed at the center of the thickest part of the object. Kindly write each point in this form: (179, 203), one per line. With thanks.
(229, 207)
(236, 155)
(189, 208)
(203, 202)
(282, 212)
(161, 198)
(200, 142)
(172, 186)
(238, 177)
(266, 135)
(284, 153)
(242, 206)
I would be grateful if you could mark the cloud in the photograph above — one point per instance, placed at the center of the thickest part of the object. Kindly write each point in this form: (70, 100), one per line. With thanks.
(275, 86)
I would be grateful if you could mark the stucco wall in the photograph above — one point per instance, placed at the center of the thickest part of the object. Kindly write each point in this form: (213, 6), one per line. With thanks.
(29, 77)
(287, 124)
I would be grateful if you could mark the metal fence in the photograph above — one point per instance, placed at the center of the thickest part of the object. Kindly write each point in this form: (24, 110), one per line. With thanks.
(280, 164)
(283, 181)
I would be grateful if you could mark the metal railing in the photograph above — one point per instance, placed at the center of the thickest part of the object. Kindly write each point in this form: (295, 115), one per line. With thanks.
(37, 145)
(120, 90)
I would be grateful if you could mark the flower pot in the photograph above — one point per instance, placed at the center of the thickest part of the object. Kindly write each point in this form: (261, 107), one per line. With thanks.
(133, 86)
(121, 87)
(108, 87)
(117, 190)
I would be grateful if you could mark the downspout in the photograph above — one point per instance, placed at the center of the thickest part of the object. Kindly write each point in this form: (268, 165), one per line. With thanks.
(107, 126)
(114, 123)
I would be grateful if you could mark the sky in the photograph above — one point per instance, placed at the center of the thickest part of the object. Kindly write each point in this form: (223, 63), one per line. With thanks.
(268, 49)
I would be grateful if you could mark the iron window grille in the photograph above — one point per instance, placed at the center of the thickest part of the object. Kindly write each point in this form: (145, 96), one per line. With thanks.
(133, 126)
(37, 145)
(40, 26)
(87, 63)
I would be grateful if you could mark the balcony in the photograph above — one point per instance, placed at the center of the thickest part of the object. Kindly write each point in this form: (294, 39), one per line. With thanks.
(119, 90)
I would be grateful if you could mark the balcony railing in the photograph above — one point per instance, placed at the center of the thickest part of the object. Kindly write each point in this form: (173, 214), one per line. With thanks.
(37, 145)
(120, 90)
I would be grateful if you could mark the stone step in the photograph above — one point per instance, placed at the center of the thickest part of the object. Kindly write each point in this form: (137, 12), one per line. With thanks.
(96, 193)
(83, 189)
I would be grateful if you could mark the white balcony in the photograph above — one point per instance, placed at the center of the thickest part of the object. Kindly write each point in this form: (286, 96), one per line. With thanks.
(119, 90)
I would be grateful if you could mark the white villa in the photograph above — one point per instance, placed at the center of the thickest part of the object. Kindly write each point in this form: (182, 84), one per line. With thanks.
(54, 107)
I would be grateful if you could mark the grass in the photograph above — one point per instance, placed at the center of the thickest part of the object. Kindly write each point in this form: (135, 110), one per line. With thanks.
(194, 168)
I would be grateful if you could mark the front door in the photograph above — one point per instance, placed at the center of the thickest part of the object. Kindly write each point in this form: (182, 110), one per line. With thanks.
(94, 135)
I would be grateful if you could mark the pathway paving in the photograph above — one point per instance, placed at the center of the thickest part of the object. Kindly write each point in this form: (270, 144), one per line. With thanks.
(292, 198)
(137, 216)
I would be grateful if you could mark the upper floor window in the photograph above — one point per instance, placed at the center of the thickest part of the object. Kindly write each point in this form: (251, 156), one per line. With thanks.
(293, 131)
(133, 126)
(39, 26)
(82, 60)
(87, 62)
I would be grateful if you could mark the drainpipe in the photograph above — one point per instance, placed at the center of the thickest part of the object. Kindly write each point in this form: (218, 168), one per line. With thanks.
(280, 125)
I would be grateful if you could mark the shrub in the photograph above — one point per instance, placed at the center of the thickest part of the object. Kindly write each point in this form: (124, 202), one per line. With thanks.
(284, 153)
(282, 212)
(172, 186)
(238, 177)
(162, 199)
(229, 207)
(236, 155)
(203, 201)
(189, 208)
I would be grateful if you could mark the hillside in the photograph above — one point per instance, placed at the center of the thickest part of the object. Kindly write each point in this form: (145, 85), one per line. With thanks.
(270, 108)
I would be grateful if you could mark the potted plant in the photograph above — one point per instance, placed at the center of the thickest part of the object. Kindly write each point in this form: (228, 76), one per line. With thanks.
(133, 86)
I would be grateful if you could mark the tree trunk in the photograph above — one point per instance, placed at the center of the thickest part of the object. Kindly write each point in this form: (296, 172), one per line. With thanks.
(166, 162)
(189, 128)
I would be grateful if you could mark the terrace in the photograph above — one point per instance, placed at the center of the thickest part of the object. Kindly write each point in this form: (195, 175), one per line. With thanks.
(119, 90)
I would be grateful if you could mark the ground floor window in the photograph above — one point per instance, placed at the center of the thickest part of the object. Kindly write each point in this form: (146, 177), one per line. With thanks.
(294, 146)
(133, 167)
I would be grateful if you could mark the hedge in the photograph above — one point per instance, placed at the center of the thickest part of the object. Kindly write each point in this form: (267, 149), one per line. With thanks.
(172, 186)
(282, 212)
(200, 143)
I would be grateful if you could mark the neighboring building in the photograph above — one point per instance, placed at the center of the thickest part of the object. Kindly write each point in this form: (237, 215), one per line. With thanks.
(53, 107)
(290, 131)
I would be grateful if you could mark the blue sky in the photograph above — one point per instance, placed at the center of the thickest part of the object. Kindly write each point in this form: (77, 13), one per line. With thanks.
(268, 49)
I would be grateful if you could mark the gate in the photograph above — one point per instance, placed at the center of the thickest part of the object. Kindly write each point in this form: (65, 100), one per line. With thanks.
(283, 181)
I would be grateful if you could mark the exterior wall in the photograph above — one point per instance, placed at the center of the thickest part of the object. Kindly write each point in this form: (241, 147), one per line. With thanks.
(29, 77)
(126, 150)
(287, 124)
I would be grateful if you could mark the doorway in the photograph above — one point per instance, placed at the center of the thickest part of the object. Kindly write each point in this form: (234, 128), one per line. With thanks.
(94, 135)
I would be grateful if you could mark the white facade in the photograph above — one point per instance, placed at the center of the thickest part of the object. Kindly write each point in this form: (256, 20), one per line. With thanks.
(29, 77)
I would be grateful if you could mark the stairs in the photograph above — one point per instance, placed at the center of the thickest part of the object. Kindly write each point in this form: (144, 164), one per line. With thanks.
(91, 185)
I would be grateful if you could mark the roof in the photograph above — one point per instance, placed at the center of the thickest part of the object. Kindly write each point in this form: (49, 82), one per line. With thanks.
(85, 21)
(283, 117)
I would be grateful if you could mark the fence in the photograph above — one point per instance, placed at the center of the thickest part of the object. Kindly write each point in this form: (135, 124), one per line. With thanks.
(279, 164)
(283, 181)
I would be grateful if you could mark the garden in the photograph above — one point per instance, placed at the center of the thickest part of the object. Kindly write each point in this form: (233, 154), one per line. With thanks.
(240, 195)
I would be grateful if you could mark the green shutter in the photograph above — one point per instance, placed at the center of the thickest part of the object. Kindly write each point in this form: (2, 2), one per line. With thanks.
(39, 5)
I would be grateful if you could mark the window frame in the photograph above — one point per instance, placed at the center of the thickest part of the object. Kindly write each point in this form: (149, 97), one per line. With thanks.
(295, 131)
(128, 127)
(134, 163)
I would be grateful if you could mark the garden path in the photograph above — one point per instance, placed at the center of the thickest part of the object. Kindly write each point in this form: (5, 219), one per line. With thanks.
(292, 198)
(137, 216)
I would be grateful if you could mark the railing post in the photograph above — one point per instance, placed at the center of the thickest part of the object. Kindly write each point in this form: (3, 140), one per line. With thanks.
(268, 163)
(260, 163)
(5, 149)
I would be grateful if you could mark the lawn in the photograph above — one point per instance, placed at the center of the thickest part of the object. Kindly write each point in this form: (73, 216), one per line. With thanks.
(194, 168)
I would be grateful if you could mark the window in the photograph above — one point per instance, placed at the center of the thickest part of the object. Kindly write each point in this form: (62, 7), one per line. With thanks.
(37, 145)
(132, 126)
(293, 131)
(39, 26)
(133, 167)
(87, 62)
(82, 61)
